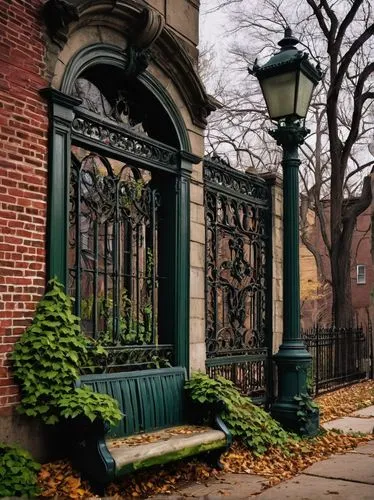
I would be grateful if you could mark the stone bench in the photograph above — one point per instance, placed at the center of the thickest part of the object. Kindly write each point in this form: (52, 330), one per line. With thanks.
(156, 428)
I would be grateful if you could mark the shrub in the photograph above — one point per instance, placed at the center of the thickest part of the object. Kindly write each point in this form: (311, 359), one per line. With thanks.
(246, 421)
(46, 362)
(18, 472)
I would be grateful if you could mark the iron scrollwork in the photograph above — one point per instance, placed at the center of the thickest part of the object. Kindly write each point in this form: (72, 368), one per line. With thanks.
(125, 358)
(218, 174)
(236, 212)
(117, 139)
(113, 258)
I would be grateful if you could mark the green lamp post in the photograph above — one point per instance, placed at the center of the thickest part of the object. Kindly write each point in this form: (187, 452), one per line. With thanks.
(287, 81)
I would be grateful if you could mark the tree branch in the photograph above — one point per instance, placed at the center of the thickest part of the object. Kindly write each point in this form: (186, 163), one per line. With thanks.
(346, 60)
(359, 205)
(321, 21)
(346, 22)
(359, 99)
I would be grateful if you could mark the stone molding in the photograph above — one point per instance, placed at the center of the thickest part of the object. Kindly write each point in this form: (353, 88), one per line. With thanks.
(130, 17)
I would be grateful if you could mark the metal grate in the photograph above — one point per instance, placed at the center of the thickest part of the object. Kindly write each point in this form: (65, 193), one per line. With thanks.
(113, 254)
(237, 244)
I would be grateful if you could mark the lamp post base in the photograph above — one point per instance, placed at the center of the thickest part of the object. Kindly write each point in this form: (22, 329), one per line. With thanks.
(287, 416)
(294, 408)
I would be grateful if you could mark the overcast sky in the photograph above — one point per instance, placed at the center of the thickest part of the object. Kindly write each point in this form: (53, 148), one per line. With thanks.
(211, 24)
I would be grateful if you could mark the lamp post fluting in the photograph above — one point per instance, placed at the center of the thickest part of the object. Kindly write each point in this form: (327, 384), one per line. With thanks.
(287, 81)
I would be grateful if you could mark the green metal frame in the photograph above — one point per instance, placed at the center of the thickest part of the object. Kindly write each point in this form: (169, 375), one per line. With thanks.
(62, 110)
(102, 53)
(61, 114)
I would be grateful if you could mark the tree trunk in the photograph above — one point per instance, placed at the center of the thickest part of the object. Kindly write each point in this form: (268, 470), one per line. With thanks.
(342, 312)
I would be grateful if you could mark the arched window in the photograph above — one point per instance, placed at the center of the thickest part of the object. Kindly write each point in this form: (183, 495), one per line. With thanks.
(118, 152)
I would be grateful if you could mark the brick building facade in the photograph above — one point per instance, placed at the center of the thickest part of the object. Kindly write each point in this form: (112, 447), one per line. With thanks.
(23, 177)
(317, 300)
(92, 90)
(43, 43)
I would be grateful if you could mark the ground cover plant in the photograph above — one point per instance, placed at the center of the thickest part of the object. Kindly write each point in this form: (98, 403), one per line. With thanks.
(18, 472)
(247, 422)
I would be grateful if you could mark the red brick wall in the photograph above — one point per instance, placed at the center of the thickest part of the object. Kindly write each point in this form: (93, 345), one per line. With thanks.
(23, 178)
(361, 254)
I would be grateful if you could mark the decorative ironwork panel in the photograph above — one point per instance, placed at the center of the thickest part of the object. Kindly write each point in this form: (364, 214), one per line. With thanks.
(113, 256)
(120, 124)
(111, 137)
(236, 215)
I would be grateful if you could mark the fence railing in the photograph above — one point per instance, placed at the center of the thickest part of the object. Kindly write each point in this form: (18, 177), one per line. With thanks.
(340, 356)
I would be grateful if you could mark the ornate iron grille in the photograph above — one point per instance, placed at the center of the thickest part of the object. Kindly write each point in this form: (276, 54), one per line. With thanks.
(113, 258)
(237, 240)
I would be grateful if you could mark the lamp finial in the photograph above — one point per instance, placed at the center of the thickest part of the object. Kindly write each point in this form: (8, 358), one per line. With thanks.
(289, 41)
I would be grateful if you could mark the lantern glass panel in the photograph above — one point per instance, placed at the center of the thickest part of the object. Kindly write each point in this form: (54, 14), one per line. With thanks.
(304, 95)
(279, 93)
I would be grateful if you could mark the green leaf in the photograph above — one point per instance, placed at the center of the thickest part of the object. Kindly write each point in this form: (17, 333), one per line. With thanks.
(47, 359)
(247, 422)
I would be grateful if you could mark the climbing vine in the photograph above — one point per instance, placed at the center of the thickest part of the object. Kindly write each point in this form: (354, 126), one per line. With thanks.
(18, 472)
(46, 363)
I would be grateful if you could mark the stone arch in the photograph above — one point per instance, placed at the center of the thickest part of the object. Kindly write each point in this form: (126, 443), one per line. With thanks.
(110, 55)
(124, 24)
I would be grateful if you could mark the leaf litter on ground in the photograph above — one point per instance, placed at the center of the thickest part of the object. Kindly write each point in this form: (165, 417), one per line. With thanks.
(346, 400)
(59, 480)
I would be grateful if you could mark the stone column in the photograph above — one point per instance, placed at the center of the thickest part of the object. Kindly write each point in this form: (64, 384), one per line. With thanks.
(275, 182)
(197, 272)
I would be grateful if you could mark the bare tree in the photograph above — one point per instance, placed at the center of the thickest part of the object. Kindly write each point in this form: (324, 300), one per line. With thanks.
(335, 166)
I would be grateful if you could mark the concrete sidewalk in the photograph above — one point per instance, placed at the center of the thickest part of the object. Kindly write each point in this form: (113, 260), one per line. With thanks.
(348, 476)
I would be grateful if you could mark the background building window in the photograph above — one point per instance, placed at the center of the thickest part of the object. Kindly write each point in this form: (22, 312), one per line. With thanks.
(361, 274)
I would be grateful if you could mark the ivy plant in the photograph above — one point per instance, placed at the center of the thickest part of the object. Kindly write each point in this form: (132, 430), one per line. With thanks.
(18, 472)
(84, 401)
(307, 409)
(247, 422)
(47, 359)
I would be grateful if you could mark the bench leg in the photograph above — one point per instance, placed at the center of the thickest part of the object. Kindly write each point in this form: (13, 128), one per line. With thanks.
(98, 488)
(213, 459)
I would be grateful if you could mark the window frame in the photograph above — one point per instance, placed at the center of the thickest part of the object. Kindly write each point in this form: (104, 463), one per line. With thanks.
(62, 110)
(361, 277)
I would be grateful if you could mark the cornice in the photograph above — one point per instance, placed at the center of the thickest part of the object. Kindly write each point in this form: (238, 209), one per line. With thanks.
(148, 37)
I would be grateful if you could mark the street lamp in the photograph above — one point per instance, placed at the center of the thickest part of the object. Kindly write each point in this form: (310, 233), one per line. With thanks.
(287, 81)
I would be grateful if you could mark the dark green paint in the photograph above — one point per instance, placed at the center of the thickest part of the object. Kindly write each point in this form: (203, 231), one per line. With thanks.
(269, 293)
(60, 115)
(289, 58)
(182, 267)
(101, 53)
(293, 360)
(150, 400)
(247, 198)
(61, 105)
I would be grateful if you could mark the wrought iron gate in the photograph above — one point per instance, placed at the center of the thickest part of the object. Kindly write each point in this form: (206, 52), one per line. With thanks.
(238, 300)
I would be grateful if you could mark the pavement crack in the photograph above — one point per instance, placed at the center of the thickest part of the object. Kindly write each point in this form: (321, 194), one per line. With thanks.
(337, 478)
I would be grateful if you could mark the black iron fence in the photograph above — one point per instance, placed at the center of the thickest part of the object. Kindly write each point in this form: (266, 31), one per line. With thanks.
(340, 356)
